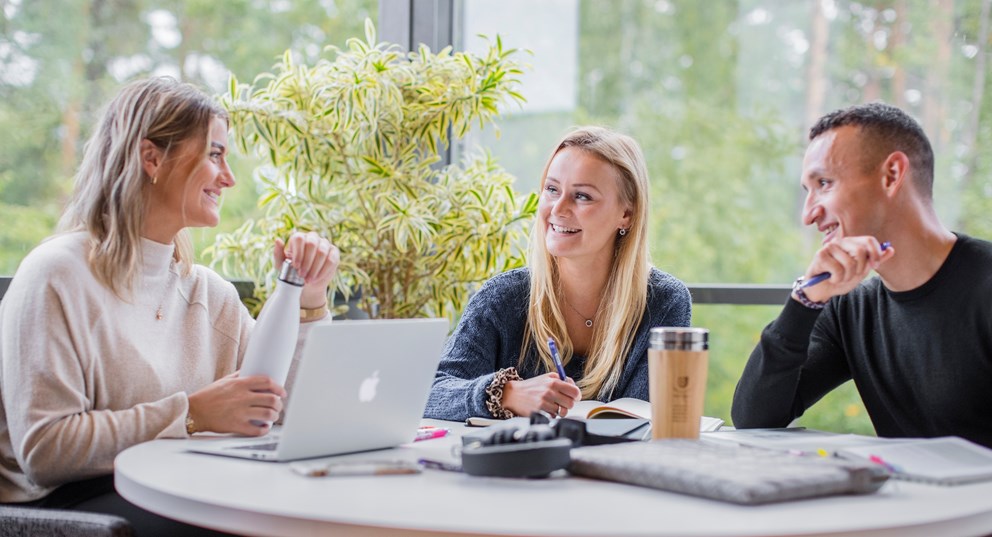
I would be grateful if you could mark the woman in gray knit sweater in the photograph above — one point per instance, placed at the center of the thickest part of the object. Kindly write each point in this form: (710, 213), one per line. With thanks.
(589, 286)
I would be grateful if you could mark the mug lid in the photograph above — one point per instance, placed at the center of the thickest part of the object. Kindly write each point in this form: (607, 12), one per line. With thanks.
(679, 335)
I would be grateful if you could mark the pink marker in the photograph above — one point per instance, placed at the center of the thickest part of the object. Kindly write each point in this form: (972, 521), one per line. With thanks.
(878, 460)
(428, 433)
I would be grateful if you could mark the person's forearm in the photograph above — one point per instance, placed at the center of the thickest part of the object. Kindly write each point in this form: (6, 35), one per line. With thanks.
(457, 399)
(83, 445)
(313, 298)
(767, 392)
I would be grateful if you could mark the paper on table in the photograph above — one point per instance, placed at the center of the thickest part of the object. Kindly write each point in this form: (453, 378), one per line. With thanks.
(795, 439)
(948, 460)
(945, 460)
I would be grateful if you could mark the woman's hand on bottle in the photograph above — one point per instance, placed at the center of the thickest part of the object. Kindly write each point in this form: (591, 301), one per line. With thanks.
(315, 259)
(231, 403)
(546, 392)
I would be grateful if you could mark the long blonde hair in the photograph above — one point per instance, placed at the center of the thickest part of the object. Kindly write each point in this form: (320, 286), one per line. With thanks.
(109, 195)
(625, 295)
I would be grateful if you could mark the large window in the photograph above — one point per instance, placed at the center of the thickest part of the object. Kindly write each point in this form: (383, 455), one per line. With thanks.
(719, 93)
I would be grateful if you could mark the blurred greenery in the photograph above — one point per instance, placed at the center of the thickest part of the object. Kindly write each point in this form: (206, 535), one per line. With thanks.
(352, 148)
(56, 72)
(719, 93)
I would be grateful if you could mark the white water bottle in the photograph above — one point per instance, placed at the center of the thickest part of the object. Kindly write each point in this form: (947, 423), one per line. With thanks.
(273, 340)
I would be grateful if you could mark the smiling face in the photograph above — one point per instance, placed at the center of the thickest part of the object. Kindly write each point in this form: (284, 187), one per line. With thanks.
(580, 209)
(189, 185)
(843, 198)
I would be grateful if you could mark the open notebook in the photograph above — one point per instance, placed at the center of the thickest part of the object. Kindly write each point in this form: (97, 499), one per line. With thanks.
(628, 407)
(948, 460)
(625, 407)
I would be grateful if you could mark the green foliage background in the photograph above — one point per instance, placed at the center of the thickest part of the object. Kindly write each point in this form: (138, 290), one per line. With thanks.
(56, 72)
(352, 144)
(715, 91)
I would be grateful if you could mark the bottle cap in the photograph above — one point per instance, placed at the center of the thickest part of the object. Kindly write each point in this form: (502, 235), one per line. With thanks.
(289, 275)
(680, 338)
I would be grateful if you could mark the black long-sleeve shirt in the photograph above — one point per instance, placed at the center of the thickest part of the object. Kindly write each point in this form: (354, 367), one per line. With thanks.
(921, 359)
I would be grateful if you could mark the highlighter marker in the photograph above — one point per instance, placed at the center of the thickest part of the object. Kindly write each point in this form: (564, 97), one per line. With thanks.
(556, 358)
(425, 433)
(890, 467)
(824, 275)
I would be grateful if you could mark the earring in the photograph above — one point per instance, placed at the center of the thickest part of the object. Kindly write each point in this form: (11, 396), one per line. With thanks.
(623, 232)
(154, 179)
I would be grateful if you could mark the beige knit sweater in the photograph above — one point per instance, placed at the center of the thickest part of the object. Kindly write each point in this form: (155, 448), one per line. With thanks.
(85, 375)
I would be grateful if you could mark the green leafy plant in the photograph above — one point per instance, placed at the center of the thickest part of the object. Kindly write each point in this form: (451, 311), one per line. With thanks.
(352, 149)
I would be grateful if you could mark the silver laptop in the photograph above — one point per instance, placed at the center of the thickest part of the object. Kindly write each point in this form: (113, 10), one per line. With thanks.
(361, 385)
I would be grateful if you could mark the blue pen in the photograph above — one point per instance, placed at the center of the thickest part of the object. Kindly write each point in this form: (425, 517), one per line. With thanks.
(824, 275)
(556, 358)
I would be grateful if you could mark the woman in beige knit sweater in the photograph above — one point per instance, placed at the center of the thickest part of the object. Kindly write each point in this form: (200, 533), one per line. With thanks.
(110, 335)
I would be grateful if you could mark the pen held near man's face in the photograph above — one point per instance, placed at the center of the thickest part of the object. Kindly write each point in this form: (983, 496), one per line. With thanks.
(826, 275)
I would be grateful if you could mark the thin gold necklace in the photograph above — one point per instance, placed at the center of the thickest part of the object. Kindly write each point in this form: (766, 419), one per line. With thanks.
(587, 319)
(169, 285)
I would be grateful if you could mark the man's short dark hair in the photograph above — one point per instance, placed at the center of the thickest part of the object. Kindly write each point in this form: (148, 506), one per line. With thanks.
(885, 129)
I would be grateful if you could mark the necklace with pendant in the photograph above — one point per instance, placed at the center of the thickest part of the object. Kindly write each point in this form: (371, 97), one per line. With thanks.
(588, 320)
(169, 285)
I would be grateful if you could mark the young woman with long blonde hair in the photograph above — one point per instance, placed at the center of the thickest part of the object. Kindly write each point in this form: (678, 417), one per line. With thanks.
(589, 286)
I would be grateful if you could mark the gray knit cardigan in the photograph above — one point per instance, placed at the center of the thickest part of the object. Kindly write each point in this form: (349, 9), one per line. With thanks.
(491, 330)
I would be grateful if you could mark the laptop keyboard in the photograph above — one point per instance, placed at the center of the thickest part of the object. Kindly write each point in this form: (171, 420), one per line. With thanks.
(271, 446)
(738, 474)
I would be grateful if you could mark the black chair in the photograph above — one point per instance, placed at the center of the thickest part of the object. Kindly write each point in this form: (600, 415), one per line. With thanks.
(37, 522)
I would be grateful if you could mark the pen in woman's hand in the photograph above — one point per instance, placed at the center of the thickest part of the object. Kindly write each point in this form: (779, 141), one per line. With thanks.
(557, 358)
(824, 275)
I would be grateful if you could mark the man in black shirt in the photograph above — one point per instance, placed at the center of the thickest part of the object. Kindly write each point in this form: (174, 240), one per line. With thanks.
(917, 338)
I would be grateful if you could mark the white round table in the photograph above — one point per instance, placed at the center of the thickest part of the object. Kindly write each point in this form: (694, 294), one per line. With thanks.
(259, 498)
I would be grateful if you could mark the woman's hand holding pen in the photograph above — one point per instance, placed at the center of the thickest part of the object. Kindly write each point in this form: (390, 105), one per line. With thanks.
(546, 392)
(848, 261)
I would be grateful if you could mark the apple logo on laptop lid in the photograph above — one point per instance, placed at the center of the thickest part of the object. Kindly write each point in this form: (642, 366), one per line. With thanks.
(367, 391)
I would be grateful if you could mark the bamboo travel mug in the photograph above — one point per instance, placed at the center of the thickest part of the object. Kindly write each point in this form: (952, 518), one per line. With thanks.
(677, 362)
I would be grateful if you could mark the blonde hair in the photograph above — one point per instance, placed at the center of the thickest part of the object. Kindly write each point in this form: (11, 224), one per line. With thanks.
(109, 194)
(625, 295)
